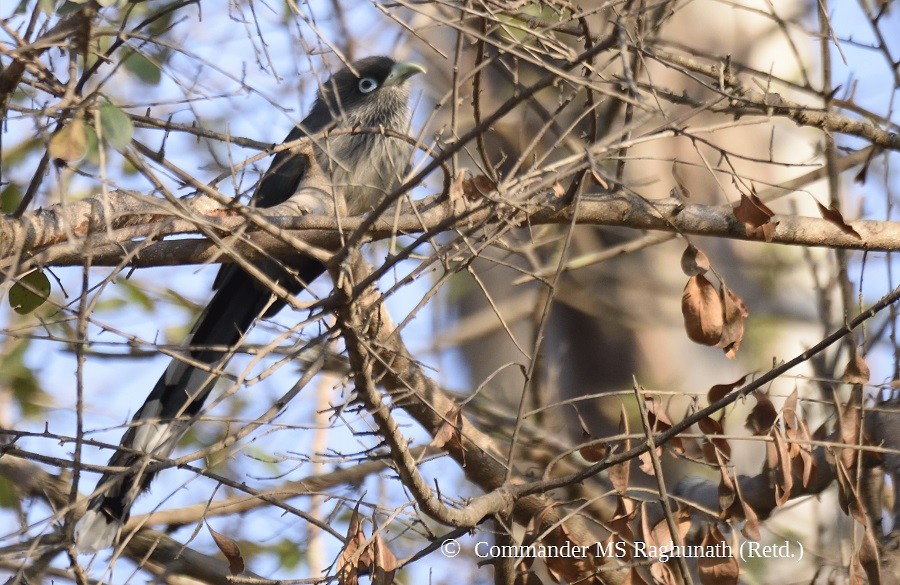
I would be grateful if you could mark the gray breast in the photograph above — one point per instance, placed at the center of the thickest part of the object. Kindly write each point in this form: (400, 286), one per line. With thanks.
(364, 168)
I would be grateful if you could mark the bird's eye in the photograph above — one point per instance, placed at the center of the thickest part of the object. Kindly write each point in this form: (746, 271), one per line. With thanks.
(367, 84)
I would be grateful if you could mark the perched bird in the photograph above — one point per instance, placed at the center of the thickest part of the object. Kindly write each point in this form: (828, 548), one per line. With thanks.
(361, 168)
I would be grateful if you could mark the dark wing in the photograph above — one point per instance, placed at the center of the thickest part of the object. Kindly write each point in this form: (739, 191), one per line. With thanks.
(180, 392)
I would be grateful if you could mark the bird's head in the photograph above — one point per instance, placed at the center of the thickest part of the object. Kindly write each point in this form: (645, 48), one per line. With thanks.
(369, 91)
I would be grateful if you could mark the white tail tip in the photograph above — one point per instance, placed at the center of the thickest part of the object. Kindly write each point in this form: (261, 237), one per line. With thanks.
(95, 532)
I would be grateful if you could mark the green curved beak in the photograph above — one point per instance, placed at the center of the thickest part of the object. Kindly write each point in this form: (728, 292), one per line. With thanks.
(400, 72)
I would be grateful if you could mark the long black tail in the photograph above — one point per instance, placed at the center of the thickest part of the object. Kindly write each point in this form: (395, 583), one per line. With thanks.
(179, 395)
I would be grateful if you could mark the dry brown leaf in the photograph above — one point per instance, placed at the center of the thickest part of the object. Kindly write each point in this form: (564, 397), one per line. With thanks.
(711, 445)
(384, 563)
(647, 462)
(661, 538)
(620, 473)
(592, 449)
(469, 190)
(620, 523)
(756, 217)
(752, 211)
(726, 489)
(834, 217)
(763, 415)
(449, 430)
(660, 535)
(682, 189)
(734, 312)
(694, 262)
(856, 572)
(784, 476)
(849, 431)
(867, 554)
(717, 570)
(719, 391)
(660, 422)
(569, 569)
(527, 578)
(869, 557)
(229, 547)
(791, 423)
(751, 519)
(484, 184)
(662, 574)
(806, 459)
(350, 560)
(657, 536)
(534, 525)
(703, 311)
(857, 370)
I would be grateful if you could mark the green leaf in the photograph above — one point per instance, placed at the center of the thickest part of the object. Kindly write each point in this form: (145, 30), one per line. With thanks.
(17, 375)
(116, 126)
(48, 7)
(289, 553)
(29, 292)
(113, 304)
(8, 497)
(93, 145)
(22, 150)
(137, 295)
(10, 198)
(70, 143)
(143, 68)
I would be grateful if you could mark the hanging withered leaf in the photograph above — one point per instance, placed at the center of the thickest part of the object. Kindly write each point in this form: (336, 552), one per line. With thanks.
(756, 217)
(751, 519)
(713, 317)
(717, 569)
(230, 549)
(703, 311)
(784, 471)
(619, 473)
(593, 450)
(834, 217)
(719, 391)
(762, 417)
(384, 563)
(359, 557)
(484, 184)
(726, 489)
(473, 189)
(735, 311)
(790, 418)
(527, 578)
(660, 422)
(646, 459)
(857, 370)
(351, 558)
(680, 184)
(449, 430)
(694, 262)
(864, 171)
(712, 444)
(659, 536)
